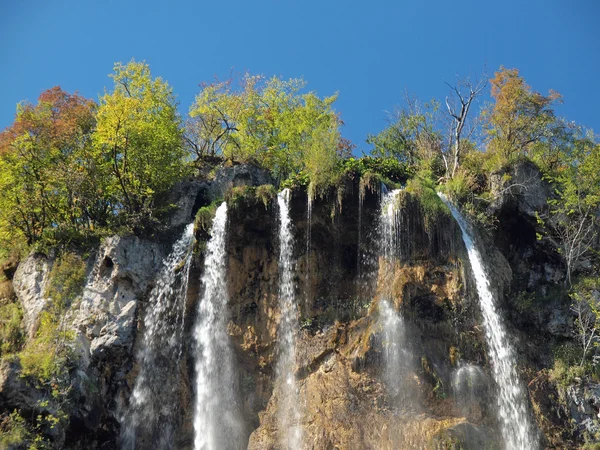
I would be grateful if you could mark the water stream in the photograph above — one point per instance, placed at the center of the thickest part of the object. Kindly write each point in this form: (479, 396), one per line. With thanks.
(289, 403)
(149, 415)
(517, 430)
(396, 352)
(217, 419)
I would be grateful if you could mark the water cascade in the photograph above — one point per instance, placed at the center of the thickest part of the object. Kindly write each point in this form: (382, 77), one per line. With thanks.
(290, 410)
(469, 385)
(217, 421)
(309, 207)
(517, 430)
(150, 411)
(397, 357)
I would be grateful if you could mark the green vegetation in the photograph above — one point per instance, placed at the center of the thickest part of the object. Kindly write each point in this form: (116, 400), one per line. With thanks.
(11, 334)
(433, 208)
(67, 279)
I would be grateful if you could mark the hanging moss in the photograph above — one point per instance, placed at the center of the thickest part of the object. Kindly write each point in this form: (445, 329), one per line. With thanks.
(204, 217)
(433, 208)
(266, 193)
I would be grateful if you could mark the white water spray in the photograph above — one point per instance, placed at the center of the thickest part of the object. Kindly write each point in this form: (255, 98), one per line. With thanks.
(397, 357)
(289, 404)
(150, 411)
(517, 430)
(217, 422)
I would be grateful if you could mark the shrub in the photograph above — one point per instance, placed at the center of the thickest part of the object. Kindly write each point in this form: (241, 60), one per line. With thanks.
(238, 195)
(11, 335)
(47, 357)
(432, 207)
(204, 217)
(67, 279)
(266, 193)
(14, 432)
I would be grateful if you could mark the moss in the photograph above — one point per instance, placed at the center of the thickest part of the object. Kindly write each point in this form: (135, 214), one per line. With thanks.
(47, 357)
(204, 217)
(11, 334)
(240, 195)
(300, 180)
(433, 208)
(266, 193)
(14, 432)
(67, 279)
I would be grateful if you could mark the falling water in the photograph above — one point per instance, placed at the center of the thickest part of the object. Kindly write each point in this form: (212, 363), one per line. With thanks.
(217, 422)
(309, 206)
(150, 411)
(517, 430)
(397, 357)
(469, 386)
(289, 404)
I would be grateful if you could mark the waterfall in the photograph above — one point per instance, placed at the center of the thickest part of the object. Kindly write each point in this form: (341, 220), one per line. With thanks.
(309, 207)
(397, 357)
(517, 430)
(217, 421)
(153, 399)
(289, 404)
(469, 386)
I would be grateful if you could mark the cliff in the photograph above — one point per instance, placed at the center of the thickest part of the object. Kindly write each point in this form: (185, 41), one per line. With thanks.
(441, 393)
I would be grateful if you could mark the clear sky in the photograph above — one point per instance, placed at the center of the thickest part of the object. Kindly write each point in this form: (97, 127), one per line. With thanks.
(368, 51)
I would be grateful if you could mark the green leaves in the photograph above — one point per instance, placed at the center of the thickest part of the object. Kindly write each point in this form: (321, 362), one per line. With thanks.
(267, 121)
(138, 141)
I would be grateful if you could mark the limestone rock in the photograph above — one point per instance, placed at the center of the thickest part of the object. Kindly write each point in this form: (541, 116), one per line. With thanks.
(121, 275)
(29, 282)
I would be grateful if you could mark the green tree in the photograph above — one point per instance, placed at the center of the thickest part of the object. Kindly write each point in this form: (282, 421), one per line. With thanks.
(268, 121)
(519, 117)
(573, 212)
(43, 160)
(138, 141)
(412, 137)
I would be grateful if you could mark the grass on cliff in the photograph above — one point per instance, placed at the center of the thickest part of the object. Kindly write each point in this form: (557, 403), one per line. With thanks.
(250, 195)
(48, 356)
(11, 333)
(433, 208)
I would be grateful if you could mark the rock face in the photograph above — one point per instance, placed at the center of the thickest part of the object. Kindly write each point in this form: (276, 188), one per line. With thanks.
(448, 400)
(29, 283)
(120, 277)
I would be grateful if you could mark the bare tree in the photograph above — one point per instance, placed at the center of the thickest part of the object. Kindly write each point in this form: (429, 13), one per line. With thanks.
(464, 92)
(586, 332)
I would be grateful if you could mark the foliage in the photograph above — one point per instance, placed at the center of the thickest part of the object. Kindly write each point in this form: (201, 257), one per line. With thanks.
(205, 216)
(585, 296)
(46, 173)
(67, 279)
(432, 207)
(11, 334)
(14, 430)
(239, 195)
(266, 193)
(46, 358)
(573, 212)
(138, 142)
(519, 118)
(297, 180)
(270, 122)
(411, 137)
(388, 168)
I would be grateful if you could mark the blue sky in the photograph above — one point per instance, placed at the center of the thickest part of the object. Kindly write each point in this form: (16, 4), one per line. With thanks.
(369, 52)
